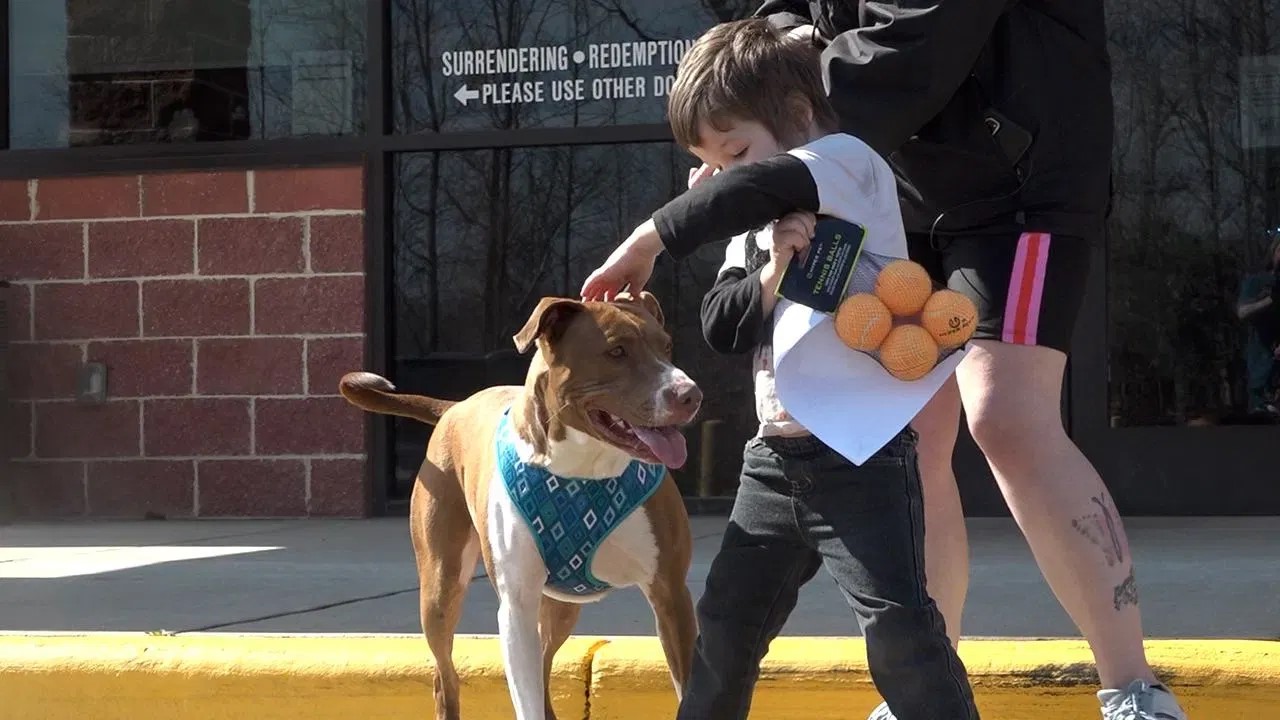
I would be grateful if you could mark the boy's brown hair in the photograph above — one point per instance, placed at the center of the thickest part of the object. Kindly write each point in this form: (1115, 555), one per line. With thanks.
(748, 70)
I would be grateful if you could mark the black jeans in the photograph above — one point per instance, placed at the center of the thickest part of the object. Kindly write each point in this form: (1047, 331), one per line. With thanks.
(801, 505)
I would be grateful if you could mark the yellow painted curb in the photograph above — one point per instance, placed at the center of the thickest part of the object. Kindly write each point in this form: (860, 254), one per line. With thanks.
(234, 677)
(113, 676)
(827, 679)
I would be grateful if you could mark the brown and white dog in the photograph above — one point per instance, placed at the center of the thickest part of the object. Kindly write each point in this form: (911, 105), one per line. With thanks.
(601, 392)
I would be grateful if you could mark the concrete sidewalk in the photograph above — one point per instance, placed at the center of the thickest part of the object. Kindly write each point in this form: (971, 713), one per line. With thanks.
(1199, 578)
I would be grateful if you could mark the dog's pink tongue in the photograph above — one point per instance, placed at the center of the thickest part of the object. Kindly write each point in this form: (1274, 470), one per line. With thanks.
(667, 444)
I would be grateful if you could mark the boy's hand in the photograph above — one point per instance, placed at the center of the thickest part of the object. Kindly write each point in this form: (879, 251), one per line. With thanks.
(698, 174)
(791, 236)
(628, 267)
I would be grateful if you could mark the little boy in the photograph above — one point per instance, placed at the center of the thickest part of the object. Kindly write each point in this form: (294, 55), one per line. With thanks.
(750, 103)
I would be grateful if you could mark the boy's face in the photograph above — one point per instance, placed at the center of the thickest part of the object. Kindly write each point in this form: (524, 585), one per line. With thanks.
(741, 142)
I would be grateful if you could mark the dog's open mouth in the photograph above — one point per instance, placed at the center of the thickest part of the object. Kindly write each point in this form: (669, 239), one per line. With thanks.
(665, 445)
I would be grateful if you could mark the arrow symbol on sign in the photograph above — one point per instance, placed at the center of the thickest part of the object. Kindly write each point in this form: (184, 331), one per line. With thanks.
(464, 94)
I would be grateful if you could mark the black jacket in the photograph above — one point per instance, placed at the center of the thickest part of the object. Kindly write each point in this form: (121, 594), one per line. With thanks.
(922, 80)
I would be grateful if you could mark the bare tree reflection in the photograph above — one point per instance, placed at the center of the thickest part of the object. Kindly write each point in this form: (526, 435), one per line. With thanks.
(1188, 207)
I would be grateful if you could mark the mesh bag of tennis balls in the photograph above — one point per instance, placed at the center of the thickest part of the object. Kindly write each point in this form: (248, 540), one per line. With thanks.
(898, 315)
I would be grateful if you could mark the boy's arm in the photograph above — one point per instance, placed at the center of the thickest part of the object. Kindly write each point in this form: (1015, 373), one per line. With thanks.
(732, 313)
(735, 308)
(735, 201)
(836, 175)
(889, 77)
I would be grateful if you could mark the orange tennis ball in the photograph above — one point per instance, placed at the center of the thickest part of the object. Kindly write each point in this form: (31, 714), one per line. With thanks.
(904, 286)
(862, 322)
(909, 352)
(950, 318)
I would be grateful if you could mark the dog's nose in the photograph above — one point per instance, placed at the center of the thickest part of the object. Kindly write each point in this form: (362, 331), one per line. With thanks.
(683, 396)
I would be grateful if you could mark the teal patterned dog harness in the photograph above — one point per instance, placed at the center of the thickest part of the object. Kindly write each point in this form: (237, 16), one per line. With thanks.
(571, 517)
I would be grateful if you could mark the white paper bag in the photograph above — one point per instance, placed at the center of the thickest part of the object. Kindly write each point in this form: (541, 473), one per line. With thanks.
(844, 397)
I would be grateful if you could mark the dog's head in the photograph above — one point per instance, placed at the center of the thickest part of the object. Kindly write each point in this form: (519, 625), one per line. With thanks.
(605, 370)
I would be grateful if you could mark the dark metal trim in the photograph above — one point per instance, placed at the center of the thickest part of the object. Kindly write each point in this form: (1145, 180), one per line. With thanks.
(4, 74)
(1090, 424)
(7, 509)
(247, 154)
(378, 220)
(378, 96)
(116, 159)
(526, 137)
(379, 324)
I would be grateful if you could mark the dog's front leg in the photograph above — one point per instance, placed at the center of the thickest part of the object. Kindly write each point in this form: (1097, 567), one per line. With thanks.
(521, 649)
(519, 576)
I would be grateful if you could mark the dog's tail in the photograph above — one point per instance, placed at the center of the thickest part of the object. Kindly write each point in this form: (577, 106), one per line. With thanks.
(376, 394)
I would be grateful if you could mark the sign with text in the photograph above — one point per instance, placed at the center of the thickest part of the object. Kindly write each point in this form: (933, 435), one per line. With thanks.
(538, 72)
(549, 65)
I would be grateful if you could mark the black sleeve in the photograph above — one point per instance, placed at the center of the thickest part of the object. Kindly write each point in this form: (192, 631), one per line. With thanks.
(735, 201)
(732, 316)
(888, 78)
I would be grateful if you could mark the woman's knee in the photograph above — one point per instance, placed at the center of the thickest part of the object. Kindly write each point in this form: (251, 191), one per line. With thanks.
(1013, 399)
(1015, 427)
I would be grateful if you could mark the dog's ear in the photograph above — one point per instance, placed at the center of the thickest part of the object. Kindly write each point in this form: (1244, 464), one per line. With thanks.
(550, 314)
(648, 301)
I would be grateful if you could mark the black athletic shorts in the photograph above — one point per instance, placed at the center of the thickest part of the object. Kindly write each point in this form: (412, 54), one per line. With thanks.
(1028, 287)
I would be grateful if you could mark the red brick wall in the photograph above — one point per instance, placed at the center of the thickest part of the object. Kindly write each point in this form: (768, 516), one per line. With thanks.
(225, 305)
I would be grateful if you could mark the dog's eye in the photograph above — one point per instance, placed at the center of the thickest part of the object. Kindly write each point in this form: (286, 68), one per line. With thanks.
(617, 351)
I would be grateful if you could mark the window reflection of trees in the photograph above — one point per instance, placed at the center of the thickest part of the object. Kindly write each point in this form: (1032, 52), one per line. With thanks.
(1190, 206)
(116, 73)
(500, 228)
(331, 33)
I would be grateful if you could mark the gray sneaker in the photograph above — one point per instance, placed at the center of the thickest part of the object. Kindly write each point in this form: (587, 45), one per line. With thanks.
(881, 713)
(1140, 701)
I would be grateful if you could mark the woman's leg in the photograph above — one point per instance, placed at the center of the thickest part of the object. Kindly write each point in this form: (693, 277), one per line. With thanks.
(946, 541)
(1012, 397)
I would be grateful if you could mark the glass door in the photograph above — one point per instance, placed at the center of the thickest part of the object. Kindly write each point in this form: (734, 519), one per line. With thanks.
(1176, 371)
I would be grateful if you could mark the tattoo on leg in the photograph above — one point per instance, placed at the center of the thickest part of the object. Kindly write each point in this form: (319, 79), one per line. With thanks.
(1090, 526)
(1101, 530)
(1112, 530)
(1126, 593)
